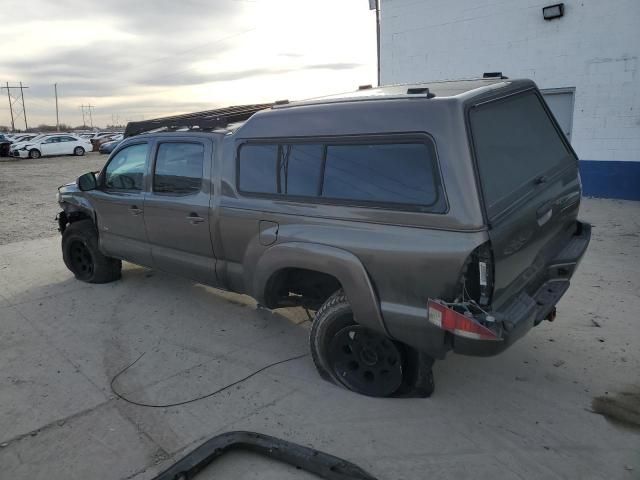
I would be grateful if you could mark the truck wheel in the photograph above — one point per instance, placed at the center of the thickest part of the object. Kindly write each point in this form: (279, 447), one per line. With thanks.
(82, 256)
(354, 356)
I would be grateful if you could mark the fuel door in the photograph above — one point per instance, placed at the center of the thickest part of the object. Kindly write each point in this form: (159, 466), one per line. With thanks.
(268, 232)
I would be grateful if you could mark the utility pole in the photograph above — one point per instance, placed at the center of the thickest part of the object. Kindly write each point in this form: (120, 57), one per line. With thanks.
(13, 99)
(24, 110)
(375, 5)
(90, 116)
(55, 89)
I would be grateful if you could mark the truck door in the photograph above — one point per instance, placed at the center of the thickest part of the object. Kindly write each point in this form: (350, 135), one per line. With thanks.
(177, 208)
(119, 205)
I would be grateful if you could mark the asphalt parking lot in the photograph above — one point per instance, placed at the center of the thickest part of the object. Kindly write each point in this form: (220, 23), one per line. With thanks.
(526, 414)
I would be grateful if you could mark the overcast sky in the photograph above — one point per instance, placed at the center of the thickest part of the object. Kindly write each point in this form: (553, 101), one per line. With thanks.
(137, 59)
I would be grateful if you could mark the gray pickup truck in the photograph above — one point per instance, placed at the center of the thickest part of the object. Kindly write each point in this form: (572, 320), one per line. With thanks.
(412, 219)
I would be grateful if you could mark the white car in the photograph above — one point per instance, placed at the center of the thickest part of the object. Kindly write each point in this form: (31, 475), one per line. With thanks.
(18, 145)
(57, 144)
(18, 137)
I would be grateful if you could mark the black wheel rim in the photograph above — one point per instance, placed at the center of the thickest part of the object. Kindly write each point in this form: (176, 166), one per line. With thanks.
(365, 361)
(81, 259)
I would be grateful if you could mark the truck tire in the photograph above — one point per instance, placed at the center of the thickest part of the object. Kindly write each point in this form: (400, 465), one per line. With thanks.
(360, 359)
(82, 256)
(334, 314)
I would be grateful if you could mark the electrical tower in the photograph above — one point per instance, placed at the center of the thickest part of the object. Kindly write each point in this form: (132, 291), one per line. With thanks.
(15, 101)
(88, 107)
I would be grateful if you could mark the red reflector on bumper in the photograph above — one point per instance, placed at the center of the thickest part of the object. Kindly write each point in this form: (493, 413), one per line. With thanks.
(457, 323)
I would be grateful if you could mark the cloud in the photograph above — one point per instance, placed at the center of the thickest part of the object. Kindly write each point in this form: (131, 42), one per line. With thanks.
(169, 56)
(194, 78)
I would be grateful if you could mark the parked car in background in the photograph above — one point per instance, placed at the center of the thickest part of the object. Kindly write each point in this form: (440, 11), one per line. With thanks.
(23, 137)
(101, 138)
(108, 147)
(5, 145)
(18, 145)
(52, 145)
(12, 139)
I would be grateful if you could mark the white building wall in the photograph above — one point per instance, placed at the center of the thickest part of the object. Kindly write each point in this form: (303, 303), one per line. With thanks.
(595, 48)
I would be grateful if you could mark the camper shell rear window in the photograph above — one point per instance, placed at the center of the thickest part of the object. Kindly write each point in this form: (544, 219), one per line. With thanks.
(516, 143)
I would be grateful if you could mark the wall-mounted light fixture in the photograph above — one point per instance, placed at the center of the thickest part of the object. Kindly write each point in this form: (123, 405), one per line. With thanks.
(553, 11)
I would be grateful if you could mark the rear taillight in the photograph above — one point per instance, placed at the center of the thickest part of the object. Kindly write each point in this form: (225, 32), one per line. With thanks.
(457, 323)
(477, 277)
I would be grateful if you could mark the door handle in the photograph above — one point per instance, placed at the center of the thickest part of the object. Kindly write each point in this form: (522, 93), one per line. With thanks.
(194, 218)
(544, 217)
(134, 210)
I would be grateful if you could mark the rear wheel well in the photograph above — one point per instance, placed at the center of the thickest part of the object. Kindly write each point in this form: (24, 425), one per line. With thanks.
(293, 287)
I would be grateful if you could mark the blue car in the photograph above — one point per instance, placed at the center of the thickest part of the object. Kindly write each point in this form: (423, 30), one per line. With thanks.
(108, 147)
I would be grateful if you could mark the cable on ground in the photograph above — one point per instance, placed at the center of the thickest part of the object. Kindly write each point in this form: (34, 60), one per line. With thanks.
(201, 397)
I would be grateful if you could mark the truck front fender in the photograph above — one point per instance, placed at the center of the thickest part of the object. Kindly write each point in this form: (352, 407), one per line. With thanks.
(342, 265)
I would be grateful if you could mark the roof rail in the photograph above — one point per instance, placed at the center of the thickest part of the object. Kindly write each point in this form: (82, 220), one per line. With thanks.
(205, 120)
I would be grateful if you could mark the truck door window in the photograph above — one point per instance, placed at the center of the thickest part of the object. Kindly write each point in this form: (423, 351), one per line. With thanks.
(126, 170)
(178, 168)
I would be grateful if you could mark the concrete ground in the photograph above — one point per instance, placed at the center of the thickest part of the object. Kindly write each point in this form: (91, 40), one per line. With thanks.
(525, 414)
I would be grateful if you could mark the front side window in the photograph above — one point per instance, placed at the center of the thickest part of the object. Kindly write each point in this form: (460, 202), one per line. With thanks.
(126, 170)
(178, 168)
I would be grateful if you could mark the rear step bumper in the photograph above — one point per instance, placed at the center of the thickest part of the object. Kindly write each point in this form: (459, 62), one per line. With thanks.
(526, 310)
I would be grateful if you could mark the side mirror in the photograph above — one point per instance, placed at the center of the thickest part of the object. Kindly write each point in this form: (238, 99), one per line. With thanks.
(87, 182)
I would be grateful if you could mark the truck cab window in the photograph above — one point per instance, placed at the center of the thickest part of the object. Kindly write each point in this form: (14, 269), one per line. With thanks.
(126, 170)
(178, 168)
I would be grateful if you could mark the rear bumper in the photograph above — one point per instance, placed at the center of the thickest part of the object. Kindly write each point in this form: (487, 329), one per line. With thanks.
(528, 309)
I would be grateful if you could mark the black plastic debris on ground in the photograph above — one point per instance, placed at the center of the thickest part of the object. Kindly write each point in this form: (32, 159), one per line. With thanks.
(321, 464)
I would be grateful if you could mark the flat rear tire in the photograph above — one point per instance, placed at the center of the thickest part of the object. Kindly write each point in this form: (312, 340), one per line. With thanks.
(363, 360)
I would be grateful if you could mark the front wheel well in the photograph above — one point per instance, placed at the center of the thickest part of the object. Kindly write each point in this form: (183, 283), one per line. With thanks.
(67, 218)
(294, 287)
